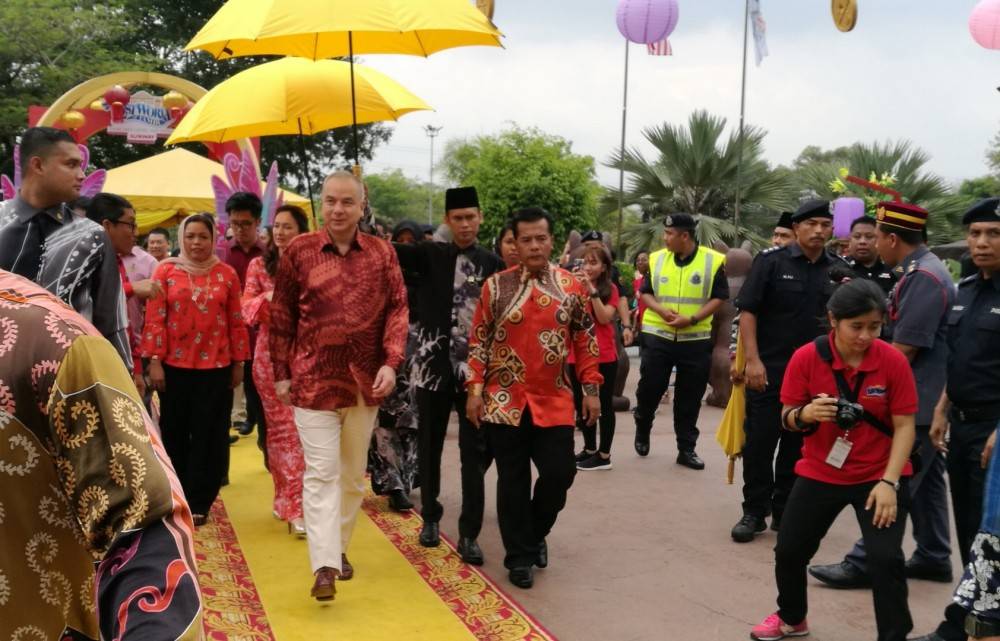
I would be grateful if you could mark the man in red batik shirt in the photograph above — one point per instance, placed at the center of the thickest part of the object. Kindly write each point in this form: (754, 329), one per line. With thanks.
(526, 323)
(338, 331)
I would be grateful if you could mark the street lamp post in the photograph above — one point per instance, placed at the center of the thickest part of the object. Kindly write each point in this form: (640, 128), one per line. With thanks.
(432, 133)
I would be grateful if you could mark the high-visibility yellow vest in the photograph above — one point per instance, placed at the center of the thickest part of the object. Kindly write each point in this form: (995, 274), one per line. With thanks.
(683, 290)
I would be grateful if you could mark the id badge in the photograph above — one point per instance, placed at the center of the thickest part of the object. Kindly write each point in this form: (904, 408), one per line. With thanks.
(838, 453)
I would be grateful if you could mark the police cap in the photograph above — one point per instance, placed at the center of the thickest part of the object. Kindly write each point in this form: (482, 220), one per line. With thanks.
(592, 235)
(814, 208)
(985, 211)
(680, 221)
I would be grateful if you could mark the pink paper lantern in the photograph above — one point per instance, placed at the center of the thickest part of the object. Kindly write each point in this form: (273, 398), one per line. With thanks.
(845, 212)
(647, 21)
(984, 24)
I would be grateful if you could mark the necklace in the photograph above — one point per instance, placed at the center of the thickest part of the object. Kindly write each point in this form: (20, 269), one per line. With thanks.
(196, 292)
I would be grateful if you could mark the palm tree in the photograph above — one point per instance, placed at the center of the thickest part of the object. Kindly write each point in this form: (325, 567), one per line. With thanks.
(695, 172)
(906, 163)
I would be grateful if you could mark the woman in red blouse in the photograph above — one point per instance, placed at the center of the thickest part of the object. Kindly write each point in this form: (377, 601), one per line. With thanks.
(855, 398)
(284, 451)
(603, 305)
(196, 341)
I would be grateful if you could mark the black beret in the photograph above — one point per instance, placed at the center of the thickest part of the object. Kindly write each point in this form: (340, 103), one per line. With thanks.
(461, 198)
(785, 220)
(592, 235)
(985, 211)
(680, 221)
(813, 209)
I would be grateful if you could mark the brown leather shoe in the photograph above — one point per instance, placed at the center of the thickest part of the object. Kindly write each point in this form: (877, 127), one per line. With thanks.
(324, 588)
(347, 570)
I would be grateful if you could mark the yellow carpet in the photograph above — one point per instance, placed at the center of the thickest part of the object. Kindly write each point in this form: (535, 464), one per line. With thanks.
(386, 601)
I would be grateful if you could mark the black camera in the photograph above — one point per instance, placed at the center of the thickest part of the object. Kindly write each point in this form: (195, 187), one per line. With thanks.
(849, 414)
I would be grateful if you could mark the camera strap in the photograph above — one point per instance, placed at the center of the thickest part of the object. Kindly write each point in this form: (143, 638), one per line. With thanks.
(822, 344)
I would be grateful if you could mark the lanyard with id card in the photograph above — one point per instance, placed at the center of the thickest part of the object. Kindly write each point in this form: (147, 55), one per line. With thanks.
(839, 452)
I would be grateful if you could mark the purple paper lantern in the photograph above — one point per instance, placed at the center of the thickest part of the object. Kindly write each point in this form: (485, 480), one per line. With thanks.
(845, 212)
(984, 24)
(647, 21)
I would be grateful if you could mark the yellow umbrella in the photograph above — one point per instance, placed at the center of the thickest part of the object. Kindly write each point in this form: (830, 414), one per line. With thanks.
(332, 28)
(730, 434)
(319, 29)
(293, 96)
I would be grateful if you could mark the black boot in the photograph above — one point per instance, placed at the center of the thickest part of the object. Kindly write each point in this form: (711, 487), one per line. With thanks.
(430, 535)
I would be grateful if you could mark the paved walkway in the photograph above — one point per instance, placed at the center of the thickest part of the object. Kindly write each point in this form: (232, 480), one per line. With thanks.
(642, 552)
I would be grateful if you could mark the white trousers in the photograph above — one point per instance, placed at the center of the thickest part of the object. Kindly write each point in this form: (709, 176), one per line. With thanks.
(335, 445)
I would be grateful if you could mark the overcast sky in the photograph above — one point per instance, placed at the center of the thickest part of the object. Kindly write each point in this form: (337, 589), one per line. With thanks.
(910, 69)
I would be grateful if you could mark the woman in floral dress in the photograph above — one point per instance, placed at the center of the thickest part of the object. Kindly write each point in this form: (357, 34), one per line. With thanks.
(284, 451)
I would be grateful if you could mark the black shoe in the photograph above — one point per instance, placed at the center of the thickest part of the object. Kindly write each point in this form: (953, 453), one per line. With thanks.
(776, 522)
(543, 555)
(584, 455)
(244, 429)
(690, 459)
(233, 439)
(470, 551)
(747, 528)
(399, 502)
(843, 575)
(641, 441)
(594, 462)
(939, 572)
(522, 577)
(430, 535)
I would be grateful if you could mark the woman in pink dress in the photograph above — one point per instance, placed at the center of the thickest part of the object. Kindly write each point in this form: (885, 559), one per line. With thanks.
(284, 451)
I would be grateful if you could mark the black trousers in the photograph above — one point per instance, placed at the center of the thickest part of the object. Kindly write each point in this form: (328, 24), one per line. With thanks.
(767, 481)
(811, 509)
(255, 407)
(526, 518)
(967, 481)
(194, 421)
(693, 361)
(434, 409)
(607, 421)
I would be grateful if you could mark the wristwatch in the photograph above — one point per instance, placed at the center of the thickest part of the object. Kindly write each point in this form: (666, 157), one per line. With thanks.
(893, 484)
(978, 627)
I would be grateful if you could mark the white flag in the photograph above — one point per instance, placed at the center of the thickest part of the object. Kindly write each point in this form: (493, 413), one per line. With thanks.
(759, 30)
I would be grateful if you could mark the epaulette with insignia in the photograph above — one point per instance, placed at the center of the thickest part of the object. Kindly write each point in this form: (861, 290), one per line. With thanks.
(912, 268)
(968, 279)
(770, 250)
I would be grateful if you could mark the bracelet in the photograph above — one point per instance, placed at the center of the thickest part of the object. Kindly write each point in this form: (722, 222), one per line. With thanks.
(894, 486)
(595, 294)
(626, 327)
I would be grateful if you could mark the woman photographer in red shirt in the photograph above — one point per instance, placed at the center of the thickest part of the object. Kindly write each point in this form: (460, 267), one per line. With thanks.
(855, 398)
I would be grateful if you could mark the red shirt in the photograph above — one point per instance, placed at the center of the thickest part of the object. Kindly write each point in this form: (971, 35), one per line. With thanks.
(197, 323)
(889, 389)
(336, 319)
(640, 306)
(607, 346)
(239, 259)
(522, 333)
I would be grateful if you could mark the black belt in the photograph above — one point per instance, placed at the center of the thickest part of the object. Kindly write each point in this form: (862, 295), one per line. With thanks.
(977, 414)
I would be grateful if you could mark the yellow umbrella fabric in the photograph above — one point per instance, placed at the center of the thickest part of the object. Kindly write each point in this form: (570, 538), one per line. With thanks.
(730, 434)
(166, 187)
(294, 96)
(319, 29)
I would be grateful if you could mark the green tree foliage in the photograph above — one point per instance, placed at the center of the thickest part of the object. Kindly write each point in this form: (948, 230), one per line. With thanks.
(902, 160)
(520, 168)
(695, 171)
(48, 46)
(395, 197)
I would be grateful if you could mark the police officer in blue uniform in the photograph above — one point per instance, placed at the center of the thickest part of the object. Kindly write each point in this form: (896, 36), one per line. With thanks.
(918, 314)
(782, 307)
(863, 257)
(969, 410)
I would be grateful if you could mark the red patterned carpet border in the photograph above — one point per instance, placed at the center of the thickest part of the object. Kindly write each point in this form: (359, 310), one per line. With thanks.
(232, 607)
(488, 612)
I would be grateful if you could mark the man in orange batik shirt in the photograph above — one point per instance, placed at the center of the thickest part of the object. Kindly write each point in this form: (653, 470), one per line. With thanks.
(526, 323)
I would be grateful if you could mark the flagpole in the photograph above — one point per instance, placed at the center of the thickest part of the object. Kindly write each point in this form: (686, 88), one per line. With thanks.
(743, 108)
(621, 172)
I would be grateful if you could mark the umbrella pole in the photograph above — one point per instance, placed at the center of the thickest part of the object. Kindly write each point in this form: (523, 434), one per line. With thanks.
(354, 104)
(305, 171)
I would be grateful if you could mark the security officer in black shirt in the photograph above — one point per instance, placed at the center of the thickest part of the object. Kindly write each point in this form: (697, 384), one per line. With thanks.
(863, 258)
(969, 410)
(782, 307)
